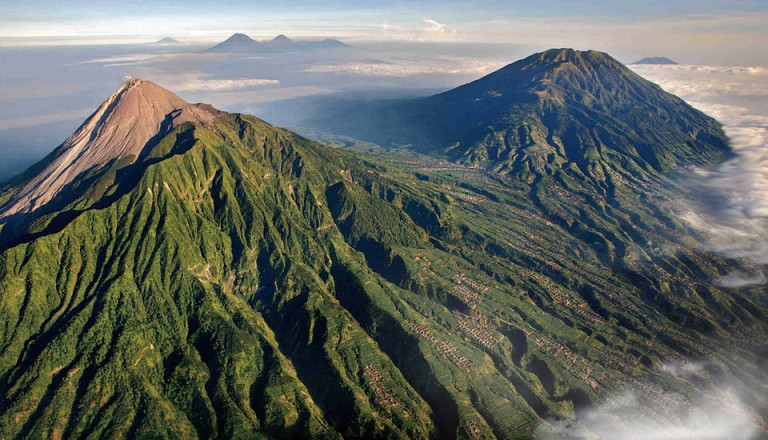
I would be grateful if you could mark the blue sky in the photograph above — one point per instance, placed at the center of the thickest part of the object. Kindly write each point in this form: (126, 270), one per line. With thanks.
(201, 18)
(72, 9)
(710, 31)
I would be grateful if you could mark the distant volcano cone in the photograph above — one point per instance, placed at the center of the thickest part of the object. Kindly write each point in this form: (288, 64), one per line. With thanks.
(240, 38)
(280, 39)
(167, 41)
(655, 60)
(235, 44)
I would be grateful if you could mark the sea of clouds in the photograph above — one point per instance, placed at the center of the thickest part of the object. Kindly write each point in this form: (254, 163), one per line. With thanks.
(409, 66)
(650, 412)
(730, 204)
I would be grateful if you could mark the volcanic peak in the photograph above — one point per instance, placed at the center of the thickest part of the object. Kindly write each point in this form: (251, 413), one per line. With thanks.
(122, 127)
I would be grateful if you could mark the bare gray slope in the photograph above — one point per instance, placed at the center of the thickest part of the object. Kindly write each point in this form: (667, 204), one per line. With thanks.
(122, 127)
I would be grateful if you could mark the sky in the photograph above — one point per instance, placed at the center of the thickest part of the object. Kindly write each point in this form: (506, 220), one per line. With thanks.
(716, 32)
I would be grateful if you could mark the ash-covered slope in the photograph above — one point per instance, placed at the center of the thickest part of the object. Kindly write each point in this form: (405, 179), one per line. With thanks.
(124, 128)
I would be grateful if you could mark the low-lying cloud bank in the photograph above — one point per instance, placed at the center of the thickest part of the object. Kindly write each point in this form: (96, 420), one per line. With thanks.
(732, 209)
(650, 412)
(203, 82)
(741, 279)
(46, 118)
(125, 60)
(405, 67)
(224, 85)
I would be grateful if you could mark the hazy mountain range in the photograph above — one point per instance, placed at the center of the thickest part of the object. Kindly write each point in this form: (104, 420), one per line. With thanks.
(241, 43)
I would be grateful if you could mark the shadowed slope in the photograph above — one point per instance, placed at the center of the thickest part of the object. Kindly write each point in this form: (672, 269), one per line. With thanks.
(551, 111)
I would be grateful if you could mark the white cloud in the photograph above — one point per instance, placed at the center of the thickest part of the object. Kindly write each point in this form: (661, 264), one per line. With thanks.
(124, 60)
(738, 279)
(437, 31)
(201, 82)
(647, 411)
(159, 59)
(224, 85)
(708, 86)
(434, 25)
(39, 89)
(233, 100)
(403, 67)
(732, 212)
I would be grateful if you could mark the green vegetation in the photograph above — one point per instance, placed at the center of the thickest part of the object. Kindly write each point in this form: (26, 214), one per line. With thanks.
(241, 281)
(557, 112)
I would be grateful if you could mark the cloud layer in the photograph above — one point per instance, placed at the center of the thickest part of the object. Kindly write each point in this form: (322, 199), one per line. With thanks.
(405, 67)
(730, 206)
(223, 85)
(647, 411)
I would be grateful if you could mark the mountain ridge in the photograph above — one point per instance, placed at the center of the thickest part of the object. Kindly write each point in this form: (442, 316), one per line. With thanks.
(281, 43)
(238, 280)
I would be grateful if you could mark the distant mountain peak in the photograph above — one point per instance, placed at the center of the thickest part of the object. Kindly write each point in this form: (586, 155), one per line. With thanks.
(560, 55)
(236, 43)
(655, 60)
(167, 40)
(331, 43)
(240, 38)
(568, 54)
(121, 128)
(572, 95)
(241, 43)
(554, 73)
(281, 39)
(150, 92)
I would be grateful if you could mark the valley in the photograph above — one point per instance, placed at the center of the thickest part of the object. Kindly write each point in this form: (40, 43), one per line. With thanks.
(227, 278)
